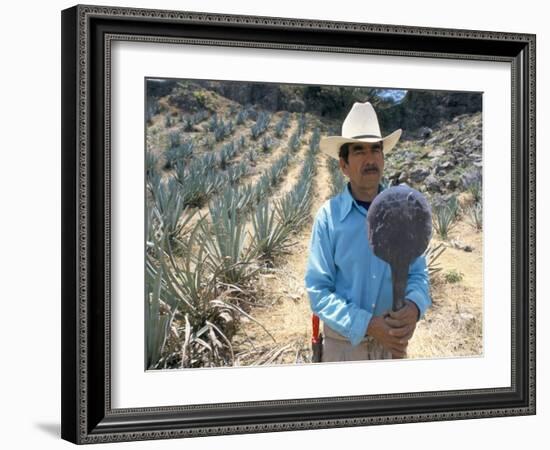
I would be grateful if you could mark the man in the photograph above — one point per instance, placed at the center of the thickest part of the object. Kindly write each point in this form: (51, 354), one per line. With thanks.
(350, 289)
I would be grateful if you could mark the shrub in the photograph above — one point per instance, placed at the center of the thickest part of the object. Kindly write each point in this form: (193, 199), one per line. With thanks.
(453, 276)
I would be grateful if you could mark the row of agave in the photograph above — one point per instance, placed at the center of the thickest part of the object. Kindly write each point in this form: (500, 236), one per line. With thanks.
(198, 177)
(295, 141)
(193, 185)
(195, 301)
(273, 225)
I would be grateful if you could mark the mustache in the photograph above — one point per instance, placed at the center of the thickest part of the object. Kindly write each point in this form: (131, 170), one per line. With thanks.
(371, 167)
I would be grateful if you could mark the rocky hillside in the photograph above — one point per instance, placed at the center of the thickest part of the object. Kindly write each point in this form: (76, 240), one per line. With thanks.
(440, 152)
(443, 160)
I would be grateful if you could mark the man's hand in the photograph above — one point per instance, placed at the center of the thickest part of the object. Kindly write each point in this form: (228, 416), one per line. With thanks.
(395, 329)
(382, 332)
(408, 315)
(403, 321)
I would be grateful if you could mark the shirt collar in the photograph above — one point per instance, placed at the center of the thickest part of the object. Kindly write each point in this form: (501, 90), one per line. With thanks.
(348, 201)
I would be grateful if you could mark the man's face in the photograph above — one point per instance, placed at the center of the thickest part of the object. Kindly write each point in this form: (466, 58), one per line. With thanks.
(365, 165)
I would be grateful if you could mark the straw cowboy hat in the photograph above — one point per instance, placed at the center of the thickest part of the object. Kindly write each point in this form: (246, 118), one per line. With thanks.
(360, 125)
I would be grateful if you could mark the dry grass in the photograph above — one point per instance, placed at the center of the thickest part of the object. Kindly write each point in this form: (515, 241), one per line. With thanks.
(453, 326)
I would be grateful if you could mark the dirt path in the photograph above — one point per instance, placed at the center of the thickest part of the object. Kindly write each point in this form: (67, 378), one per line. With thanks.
(284, 308)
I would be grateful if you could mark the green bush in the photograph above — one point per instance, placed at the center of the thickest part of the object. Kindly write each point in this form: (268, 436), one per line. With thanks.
(453, 276)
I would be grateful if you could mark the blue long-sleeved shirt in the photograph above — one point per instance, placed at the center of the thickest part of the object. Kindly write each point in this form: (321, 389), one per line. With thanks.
(347, 284)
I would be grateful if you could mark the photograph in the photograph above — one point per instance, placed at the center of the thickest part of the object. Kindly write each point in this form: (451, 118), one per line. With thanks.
(280, 224)
(299, 223)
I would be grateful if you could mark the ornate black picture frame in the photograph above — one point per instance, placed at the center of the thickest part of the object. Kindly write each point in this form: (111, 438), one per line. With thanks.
(87, 35)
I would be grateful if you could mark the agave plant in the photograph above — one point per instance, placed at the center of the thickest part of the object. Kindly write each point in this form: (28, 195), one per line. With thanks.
(270, 236)
(475, 216)
(314, 141)
(233, 200)
(241, 117)
(195, 327)
(454, 205)
(151, 161)
(293, 209)
(302, 124)
(267, 144)
(261, 125)
(262, 187)
(280, 129)
(213, 122)
(338, 181)
(174, 139)
(252, 155)
(198, 183)
(188, 123)
(173, 214)
(223, 158)
(208, 161)
(241, 142)
(181, 152)
(220, 132)
(282, 125)
(200, 116)
(474, 187)
(432, 253)
(444, 218)
(226, 244)
(295, 142)
(235, 173)
(160, 309)
(275, 172)
(209, 143)
(230, 127)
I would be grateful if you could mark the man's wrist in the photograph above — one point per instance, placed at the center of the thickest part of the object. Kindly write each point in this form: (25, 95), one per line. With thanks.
(374, 325)
(416, 307)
